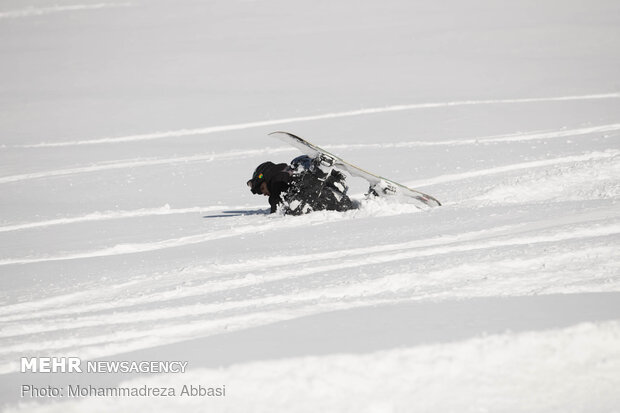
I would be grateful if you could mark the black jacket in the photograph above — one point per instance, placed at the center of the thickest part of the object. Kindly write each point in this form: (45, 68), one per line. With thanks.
(278, 178)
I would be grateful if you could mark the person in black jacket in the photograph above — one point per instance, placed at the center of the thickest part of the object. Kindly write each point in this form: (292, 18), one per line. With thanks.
(271, 180)
(301, 187)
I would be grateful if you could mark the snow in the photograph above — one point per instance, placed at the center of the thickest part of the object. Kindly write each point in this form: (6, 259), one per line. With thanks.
(492, 372)
(129, 130)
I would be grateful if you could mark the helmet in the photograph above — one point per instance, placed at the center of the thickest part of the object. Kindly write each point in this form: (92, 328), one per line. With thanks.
(258, 177)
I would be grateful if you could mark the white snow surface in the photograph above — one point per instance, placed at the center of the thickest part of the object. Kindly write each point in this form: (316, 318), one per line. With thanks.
(129, 129)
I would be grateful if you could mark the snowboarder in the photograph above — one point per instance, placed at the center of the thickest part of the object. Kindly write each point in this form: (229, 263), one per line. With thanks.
(301, 187)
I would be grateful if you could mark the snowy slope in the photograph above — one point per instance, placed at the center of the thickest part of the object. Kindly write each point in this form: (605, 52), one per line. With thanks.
(129, 129)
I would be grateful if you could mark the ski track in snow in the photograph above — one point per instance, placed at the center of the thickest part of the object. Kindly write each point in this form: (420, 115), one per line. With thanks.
(277, 261)
(39, 11)
(112, 215)
(134, 248)
(514, 137)
(590, 156)
(372, 291)
(75, 317)
(240, 154)
(469, 279)
(272, 223)
(333, 115)
(586, 176)
(582, 180)
(135, 163)
(226, 276)
(563, 182)
(465, 280)
(18, 310)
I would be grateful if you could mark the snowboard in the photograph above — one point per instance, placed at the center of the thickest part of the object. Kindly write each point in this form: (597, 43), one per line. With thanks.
(379, 185)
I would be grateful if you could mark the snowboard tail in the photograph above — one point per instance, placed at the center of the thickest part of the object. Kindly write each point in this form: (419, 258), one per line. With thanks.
(379, 185)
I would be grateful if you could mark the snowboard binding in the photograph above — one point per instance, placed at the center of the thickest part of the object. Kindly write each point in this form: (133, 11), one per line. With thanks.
(316, 185)
(380, 189)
